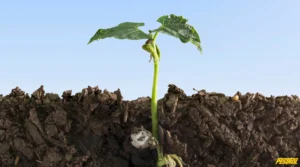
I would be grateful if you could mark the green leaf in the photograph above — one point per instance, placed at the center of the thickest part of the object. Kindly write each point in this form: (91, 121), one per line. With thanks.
(126, 30)
(177, 26)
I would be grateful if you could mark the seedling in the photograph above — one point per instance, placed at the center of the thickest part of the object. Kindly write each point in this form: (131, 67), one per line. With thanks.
(172, 25)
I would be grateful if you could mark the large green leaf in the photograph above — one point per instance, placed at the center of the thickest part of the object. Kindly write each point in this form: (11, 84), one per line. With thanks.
(126, 30)
(176, 26)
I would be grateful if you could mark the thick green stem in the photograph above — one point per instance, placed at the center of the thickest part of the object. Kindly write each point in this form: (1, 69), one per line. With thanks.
(154, 113)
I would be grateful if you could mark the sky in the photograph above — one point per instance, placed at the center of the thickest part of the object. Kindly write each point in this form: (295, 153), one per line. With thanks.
(248, 46)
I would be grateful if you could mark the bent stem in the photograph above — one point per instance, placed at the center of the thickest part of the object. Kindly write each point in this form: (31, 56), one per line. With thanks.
(169, 160)
(154, 113)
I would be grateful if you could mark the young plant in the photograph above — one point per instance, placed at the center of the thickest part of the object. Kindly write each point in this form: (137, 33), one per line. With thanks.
(172, 25)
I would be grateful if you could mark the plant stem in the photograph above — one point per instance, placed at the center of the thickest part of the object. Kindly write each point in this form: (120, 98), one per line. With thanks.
(154, 113)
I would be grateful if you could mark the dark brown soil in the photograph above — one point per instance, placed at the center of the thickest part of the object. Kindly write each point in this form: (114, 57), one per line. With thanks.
(92, 129)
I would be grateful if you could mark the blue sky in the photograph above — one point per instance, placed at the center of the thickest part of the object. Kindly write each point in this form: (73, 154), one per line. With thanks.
(248, 46)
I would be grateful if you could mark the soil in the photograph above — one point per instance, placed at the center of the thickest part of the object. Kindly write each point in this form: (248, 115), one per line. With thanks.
(92, 129)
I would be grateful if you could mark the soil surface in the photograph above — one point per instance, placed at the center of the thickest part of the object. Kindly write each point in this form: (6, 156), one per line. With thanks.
(92, 129)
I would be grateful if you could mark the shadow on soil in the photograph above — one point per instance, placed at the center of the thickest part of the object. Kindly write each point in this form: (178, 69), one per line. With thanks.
(92, 129)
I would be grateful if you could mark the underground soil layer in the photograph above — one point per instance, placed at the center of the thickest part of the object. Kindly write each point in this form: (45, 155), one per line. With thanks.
(92, 129)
